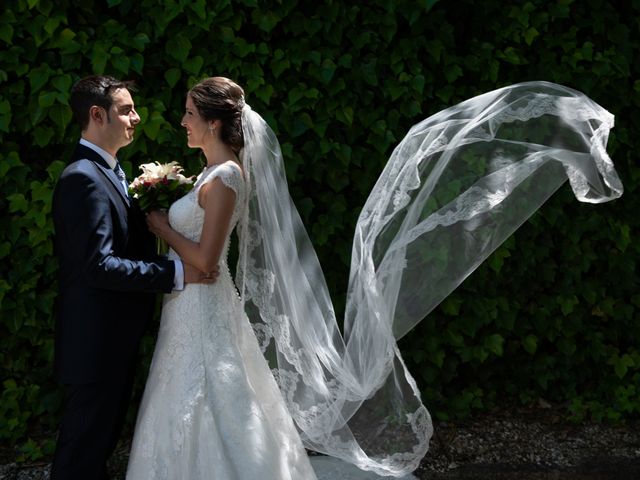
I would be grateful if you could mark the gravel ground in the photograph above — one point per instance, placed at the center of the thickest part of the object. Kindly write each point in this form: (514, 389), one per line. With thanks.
(527, 444)
(532, 445)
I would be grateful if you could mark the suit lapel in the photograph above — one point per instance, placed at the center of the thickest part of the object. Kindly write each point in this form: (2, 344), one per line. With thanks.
(86, 152)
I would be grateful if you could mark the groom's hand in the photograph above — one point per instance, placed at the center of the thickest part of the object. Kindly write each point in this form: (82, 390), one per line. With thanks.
(193, 275)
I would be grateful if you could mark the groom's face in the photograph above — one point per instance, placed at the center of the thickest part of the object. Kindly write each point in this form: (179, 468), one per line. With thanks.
(122, 119)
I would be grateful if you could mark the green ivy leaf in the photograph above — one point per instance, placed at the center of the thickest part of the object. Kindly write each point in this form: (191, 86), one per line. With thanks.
(137, 63)
(153, 124)
(140, 41)
(530, 343)
(345, 115)
(622, 364)
(418, 83)
(10, 384)
(430, 3)
(47, 99)
(42, 135)
(62, 83)
(242, 48)
(99, 57)
(264, 93)
(5, 115)
(295, 94)
(327, 70)
(451, 305)
(227, 35)
(438, 358)
(17, 203)
(194, 65)
(369, 74)
(172, 76)
(435, 49)
(119, 60)
(8, 162)
(5, 249)
(66, 43)
(496, 260)
(6, 33)
(455, 339)
(61, 115)
(530, 35)
(494, 344)
(179, 47)
(452, 72)
(623, 239)
(265, 20)
(511, 55)
(567, 303)
(51, 25)
(200, 8)
(38, 77)
(54, 170)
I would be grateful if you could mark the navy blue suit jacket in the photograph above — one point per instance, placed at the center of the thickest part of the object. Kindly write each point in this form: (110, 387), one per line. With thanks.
(108, 272)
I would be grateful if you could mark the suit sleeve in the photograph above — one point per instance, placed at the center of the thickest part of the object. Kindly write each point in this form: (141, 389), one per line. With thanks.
(88, 215)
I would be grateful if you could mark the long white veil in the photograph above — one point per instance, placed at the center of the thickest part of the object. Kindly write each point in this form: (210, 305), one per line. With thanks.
(454, 189)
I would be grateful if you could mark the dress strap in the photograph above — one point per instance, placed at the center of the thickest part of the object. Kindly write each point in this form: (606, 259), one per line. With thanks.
(229, 172)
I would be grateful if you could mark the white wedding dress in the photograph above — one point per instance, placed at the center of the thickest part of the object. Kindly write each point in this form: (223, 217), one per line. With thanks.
(211, 407)
(459, 183)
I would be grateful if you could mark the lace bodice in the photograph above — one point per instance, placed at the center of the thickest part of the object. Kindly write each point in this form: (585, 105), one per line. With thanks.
(210, 397)
(186, 216)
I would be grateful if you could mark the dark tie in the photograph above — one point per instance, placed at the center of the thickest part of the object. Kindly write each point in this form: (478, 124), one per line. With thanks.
(121, 176)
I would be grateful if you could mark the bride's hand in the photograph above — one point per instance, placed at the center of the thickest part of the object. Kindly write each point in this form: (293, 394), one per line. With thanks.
(193, 275)
(158, 222)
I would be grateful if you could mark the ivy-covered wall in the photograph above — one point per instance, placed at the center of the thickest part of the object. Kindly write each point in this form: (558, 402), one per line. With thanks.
(552, 315)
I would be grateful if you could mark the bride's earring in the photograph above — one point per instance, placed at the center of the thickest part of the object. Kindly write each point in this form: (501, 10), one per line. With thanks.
(212, 129)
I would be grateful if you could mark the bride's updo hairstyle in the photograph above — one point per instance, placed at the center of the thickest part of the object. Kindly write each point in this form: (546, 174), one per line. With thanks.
(218, 98)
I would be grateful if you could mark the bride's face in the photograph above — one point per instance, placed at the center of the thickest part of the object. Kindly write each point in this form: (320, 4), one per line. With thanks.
(196, 126)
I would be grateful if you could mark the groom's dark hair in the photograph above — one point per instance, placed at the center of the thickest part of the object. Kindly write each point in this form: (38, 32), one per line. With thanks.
(94, 90)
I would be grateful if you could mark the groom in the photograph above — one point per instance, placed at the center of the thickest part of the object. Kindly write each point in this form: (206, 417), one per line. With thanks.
(107, 280)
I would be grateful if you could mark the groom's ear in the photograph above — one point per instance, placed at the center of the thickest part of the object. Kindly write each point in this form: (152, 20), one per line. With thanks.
(97, 114)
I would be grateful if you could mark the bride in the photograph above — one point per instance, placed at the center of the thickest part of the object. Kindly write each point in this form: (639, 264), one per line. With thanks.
(245, 375)
(211, 407)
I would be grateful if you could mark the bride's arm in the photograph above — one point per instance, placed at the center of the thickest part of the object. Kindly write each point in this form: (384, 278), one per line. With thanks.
(218, 201)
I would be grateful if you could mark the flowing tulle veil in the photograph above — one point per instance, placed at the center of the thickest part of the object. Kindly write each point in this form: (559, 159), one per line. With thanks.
(454, 189)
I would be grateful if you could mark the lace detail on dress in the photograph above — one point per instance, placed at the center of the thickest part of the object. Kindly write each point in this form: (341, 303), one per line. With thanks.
(229, 172)
(210, 397)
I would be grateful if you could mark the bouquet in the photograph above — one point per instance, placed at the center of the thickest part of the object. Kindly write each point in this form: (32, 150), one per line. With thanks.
(158, 187)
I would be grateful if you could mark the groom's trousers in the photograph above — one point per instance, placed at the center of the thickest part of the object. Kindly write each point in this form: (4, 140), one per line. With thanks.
(91, 424)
